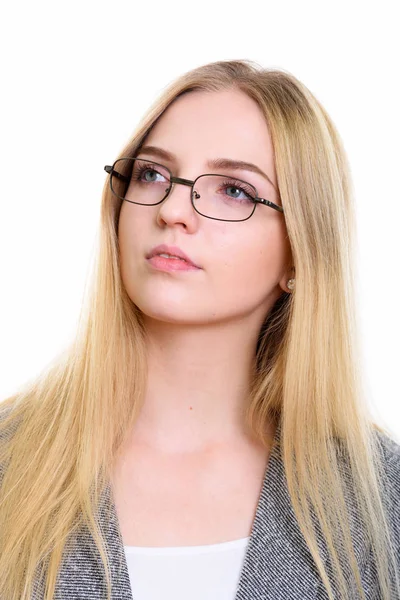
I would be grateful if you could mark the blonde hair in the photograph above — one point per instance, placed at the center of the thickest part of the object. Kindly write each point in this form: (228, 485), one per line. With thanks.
(61, 432)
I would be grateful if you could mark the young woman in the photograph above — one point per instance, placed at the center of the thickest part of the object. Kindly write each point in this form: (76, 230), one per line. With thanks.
(206, 434)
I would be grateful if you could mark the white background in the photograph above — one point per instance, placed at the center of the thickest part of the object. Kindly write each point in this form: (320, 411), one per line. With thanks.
(77, 76)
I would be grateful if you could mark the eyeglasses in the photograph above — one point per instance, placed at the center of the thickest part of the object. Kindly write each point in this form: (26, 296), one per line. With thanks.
(219, 197)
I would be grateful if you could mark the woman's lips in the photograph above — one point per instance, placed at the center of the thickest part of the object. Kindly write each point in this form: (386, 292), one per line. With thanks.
(162, 263)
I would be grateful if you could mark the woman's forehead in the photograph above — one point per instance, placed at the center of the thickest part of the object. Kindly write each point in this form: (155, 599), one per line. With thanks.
(205, 126)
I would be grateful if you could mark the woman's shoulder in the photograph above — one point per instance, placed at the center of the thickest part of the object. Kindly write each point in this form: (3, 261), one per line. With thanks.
(6, 410)
(391, 454)
(7, 430)
(390, 451)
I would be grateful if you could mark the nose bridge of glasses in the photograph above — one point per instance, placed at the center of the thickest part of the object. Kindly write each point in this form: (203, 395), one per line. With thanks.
(181, 180)
(187, 182)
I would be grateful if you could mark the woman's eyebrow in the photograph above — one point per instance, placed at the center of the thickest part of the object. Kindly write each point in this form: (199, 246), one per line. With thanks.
(216, 163)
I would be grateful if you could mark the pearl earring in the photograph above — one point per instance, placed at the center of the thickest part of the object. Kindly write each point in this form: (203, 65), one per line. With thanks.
(290, 284)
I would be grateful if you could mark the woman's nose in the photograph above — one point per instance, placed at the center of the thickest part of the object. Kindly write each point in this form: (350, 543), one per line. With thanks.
(177, 206)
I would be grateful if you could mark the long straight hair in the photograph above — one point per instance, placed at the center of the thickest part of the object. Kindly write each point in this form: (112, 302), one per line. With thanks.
(60, 433)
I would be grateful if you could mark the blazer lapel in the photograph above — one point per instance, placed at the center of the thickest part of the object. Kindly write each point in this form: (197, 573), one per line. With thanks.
(81, 575)
(277, 563)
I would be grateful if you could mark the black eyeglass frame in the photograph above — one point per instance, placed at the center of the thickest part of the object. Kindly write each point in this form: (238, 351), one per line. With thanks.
(256, 200)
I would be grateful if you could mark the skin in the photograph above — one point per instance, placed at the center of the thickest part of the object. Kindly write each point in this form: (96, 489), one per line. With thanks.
(203, 325)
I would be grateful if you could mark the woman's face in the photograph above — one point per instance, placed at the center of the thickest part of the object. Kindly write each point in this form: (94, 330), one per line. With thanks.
(244, 265)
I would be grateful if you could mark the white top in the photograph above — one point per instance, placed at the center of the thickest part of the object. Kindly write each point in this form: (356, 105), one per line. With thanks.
(197, 572)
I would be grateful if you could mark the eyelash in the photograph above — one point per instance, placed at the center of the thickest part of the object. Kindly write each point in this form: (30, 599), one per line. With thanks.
(239, 185)
(227, 182)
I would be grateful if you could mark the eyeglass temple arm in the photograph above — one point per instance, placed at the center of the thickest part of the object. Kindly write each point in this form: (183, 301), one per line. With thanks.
(269, 203)
(110, 170)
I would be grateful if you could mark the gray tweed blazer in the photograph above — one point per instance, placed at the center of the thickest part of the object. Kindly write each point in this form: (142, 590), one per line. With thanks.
(277, 563)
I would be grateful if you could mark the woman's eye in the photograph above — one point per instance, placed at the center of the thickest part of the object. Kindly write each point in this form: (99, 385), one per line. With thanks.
(146, 171)
(237, 191)
(146, 174)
